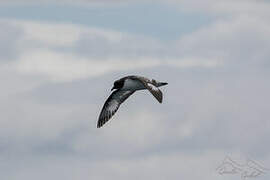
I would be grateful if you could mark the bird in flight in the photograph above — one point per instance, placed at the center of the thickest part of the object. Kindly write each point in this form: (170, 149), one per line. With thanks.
(125, 87)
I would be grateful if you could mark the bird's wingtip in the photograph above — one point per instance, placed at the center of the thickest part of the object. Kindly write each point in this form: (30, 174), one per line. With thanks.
(99, 124)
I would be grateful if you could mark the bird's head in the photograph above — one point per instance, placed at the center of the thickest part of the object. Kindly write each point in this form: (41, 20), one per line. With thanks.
(117, 84)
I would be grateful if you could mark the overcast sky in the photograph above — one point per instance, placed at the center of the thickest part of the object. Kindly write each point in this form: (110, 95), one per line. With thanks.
(58, 62)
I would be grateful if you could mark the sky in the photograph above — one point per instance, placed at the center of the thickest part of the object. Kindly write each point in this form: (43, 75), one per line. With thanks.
(58, 62)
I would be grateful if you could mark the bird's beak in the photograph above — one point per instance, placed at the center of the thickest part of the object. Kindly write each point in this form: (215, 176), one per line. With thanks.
(112, 88)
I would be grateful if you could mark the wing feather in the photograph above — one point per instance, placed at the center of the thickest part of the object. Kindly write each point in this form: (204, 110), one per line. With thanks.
(111, 105)
(155, 91)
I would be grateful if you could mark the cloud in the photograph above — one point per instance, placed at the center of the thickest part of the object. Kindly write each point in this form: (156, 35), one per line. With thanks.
(221, 8)
(236, 42)
(52, 91)
(154, 167)
(10, 36)
(63, 67)
(80, 2)
(214, 7)
(65, 52)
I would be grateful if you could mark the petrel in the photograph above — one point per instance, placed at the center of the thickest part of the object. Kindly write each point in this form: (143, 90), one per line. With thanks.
(125, 87)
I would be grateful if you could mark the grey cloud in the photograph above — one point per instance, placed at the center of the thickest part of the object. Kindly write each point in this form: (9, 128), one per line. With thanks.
(123, 169)
(10, 36)
(80, 2)
(48, 129)
(204, 101)
(225, 112)
(212, 7)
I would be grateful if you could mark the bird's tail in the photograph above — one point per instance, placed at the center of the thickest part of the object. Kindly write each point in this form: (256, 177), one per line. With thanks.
(161, 84)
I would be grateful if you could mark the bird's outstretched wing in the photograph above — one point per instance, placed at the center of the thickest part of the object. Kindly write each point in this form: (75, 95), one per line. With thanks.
(111, 105)
(155, 91)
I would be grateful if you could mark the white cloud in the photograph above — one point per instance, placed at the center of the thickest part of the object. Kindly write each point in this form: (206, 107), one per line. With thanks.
(41, 52)
(49, 34)
(235, 42)
(57, 34)
(67, 67)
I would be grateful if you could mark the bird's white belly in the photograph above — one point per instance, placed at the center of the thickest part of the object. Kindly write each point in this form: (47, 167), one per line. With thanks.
(133, 85)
